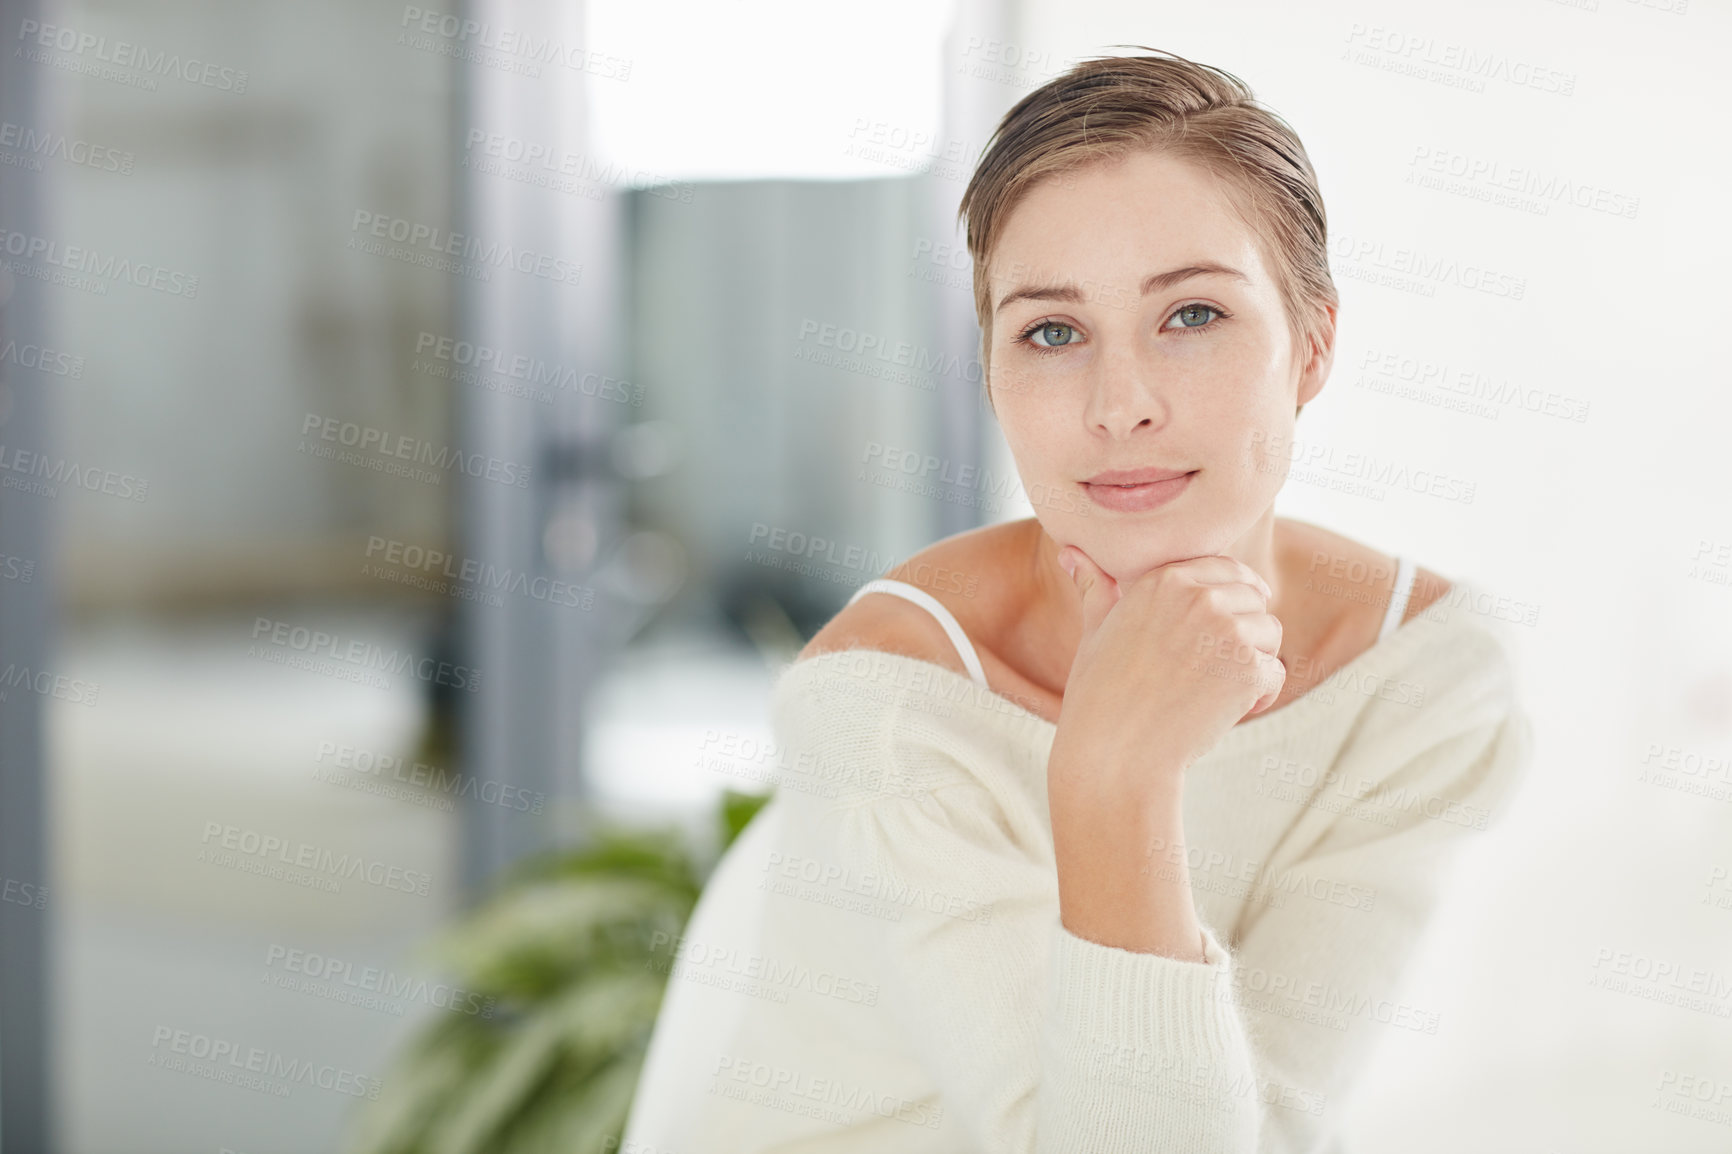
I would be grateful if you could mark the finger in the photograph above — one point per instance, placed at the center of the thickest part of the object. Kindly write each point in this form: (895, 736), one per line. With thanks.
(1250, 648)
(1263, 631)
(1237, 597)
(1099, 592)
(1273, 677)
(1218, 569)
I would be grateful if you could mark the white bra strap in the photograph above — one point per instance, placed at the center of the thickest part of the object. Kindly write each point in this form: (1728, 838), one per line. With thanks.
(1404, 572)
(933, 606)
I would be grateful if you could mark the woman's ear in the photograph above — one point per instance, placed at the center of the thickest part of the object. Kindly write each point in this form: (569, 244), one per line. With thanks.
(1320, 350)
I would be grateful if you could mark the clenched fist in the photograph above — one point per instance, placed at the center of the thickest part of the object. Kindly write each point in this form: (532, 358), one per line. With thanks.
(1166, 665)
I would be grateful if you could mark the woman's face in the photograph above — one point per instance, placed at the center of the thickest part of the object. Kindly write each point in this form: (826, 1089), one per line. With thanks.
(1112, 351)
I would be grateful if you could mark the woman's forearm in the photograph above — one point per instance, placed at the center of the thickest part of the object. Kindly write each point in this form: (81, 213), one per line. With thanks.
(1122, 877)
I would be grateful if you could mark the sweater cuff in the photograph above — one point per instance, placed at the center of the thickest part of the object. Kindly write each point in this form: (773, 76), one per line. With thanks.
(1162, 1007)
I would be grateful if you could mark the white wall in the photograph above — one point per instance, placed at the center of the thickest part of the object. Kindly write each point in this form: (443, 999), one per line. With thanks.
(1594, 521)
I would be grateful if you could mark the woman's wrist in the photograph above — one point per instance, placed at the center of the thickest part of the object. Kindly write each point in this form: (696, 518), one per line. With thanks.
(1122, 879)
(1087, 773)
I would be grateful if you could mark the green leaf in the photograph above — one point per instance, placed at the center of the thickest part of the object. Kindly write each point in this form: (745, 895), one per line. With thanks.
(582, 1029)
(427, 1077)
(580, 1118)
(524, 945)
(738, 809)
(561, 947)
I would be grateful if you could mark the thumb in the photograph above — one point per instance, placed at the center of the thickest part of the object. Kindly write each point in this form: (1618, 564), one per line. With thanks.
(1099, 592)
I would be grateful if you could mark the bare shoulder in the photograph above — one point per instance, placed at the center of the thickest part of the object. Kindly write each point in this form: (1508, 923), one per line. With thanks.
(1335, 566)
(956, 571)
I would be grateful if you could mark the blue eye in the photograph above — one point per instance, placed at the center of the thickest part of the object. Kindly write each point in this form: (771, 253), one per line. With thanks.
(1051, 334)
(1047, 336)
(1192, 317)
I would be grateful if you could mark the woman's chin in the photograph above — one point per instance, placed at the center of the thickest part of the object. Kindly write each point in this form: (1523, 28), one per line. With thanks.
(1127, 565)
(1125, 559)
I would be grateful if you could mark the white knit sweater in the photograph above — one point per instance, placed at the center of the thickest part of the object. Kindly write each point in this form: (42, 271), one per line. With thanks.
(878, 963)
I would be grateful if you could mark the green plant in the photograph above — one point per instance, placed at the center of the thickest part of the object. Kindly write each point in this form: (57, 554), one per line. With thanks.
(560, 955)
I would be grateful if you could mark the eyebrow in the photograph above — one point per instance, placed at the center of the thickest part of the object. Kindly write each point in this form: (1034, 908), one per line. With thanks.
(1155, 282)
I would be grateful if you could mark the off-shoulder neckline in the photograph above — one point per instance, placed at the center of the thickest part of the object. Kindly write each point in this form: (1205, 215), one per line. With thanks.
(1302, 710)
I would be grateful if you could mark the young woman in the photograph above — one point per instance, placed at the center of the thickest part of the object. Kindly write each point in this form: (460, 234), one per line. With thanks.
(1127, 850)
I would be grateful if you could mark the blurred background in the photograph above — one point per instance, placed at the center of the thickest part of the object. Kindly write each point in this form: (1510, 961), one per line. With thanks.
(426, 432)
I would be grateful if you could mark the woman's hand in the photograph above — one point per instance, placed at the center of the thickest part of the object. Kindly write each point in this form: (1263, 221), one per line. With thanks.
(1168, 663)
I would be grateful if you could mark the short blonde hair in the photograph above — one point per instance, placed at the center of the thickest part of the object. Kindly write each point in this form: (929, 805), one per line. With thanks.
(1110, 106)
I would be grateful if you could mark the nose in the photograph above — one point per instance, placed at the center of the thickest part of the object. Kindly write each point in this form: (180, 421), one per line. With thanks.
(1123, 396)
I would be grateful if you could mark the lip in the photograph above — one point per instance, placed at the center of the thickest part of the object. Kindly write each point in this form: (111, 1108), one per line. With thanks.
(1122, 497)
(1135, 476)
